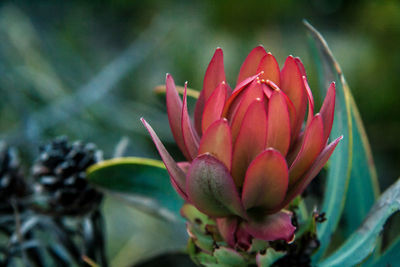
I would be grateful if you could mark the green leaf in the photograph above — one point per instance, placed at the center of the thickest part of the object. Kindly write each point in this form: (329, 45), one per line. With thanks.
(390, 257)
(161, 89)
(340, 162)
(229, 257)
(133, 236)
(363, 242)
(142, 182)
(363, 185)
(269, 257)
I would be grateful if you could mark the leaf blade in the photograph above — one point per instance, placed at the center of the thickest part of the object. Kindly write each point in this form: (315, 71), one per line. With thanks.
(139, 177)
(340, 162)
(362, 242)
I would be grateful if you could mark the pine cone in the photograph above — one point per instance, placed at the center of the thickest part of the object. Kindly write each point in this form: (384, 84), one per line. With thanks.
(60, 176)
(12, 183)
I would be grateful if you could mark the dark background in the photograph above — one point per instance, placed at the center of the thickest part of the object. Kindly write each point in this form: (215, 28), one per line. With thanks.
(86, 69)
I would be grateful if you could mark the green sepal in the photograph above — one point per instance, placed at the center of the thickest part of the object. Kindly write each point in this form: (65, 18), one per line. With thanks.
(269, 257)
(229, 257)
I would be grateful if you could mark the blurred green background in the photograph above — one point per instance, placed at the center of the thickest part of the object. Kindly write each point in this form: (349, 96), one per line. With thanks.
(86, 69)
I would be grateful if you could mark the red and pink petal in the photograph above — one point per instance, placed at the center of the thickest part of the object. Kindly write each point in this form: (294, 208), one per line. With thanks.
(215, 74)
(250, 141)
(292, 86)
(266, 181)
(312, 145)
(190, 137)
(328, 110)
(177, 176)
(210, 188)
(174, 111)
(250, 64)
(304, 181)
(270, 68)
(227, 227)
(214, 106)
(217, 141)
(277, 226)
(278, 126)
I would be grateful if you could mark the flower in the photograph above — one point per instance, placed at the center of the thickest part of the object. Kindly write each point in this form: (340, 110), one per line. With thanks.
(250, 151)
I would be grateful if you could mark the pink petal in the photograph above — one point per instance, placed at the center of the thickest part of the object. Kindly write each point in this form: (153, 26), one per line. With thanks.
(198, 113)
(253, 92)
(266, 181)
(189, 135)
(310, 101)
(313, 143)
(249, 67)
(292, 110)
(292, 86)
(215, 74)
(278, 129)
(243, 238)
(304, 76)
(217, 141)
(211, 189)
(177, 176)
(184, 166)
(250, 141)
(270, 68)
(328, 110)
(272, 227)
(227, 227)
(214, 106)
(174, 110)
(305, 180)
(237, 93)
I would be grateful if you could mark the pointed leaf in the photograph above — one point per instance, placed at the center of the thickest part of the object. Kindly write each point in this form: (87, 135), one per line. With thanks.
(211, 189)
(250, 64)
(272, 227)
(218, 142)
(251, 140)
(214, 106)
(270, 68)
(278, 129)
(362, 242)
(189, 135)
(138, 177)
(174, 111)
(390, 256)
(266, 181)
(178, 178)
(363, 185)
(341, 161)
